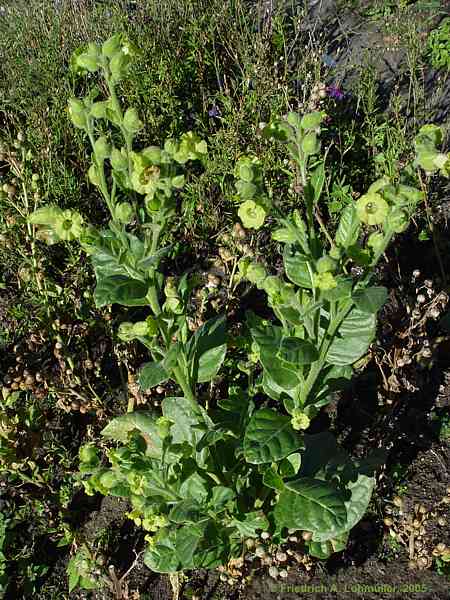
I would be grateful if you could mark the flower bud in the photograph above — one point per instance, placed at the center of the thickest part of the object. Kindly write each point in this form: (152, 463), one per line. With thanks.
(119, 161)
(111, 46)
(131, 121)
(77, 112)
(123, 212)
(102, 148)
(326, 263)
(89, 60)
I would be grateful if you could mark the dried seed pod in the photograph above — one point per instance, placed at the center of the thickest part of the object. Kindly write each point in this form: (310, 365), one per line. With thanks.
(412, 565)
(273, 572)
(422, 509)
(441, 547)
(446, 499)
(281, 556)
(265, 535)
(283, 574)
(388, 522)
(75, 405)
(422, 562)
(397, 501)
(239, 231)
(441, 522)
(83, 409)
(260, 551)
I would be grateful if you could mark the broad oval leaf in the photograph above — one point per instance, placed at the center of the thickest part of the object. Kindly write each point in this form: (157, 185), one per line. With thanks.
(119, 428)
(296, 351)
(296, 267)
(207, 349)
(269, 437)
(311, 505)
(371, 299)
(119, 289)
(152, 374)
(348, 230)
(187, 422)
(324, 550)
(361, 492)
(173, 549)
(273, 480)
(353, 338)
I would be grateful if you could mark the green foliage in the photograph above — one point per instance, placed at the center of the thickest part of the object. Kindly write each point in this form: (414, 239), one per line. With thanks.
(439, 45)
(327, 318)
(428, 156)
(81, 570)
(202, 479)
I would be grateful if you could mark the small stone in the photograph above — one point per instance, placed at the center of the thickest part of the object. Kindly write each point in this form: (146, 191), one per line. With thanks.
(283, 574)
(265, 535)
(281, 556)
(307, 535)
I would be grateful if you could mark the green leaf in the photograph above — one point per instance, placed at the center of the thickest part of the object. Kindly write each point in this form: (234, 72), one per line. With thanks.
(250, 524)
(74, 578)
(297, 352)
(120, 289)
(318, 181)
(311, 505)
(119, 428)
(194, 487)
(290, 465)
(152, 374)
(353, 338)
(269, 341)
(221, 495)
(348, 229)
(187, 511)
(187, 422)
(324, 550)
(273, 480)
(296, 267)
(207, 350)
(269, 437)
(214, 548)
(356, 506)
(370, 300)
(173, 549)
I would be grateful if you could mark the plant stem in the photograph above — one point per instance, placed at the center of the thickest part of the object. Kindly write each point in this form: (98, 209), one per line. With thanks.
(182, 381)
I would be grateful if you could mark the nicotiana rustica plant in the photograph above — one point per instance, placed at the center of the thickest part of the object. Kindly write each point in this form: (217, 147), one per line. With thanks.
(326, 316)
(202, 479)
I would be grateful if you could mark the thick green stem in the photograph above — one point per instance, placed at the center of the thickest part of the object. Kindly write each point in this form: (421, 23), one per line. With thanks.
(317, 367)
(182, 381)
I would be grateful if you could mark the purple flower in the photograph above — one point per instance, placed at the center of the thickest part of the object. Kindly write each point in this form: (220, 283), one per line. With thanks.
(214, 112)
(335, 92)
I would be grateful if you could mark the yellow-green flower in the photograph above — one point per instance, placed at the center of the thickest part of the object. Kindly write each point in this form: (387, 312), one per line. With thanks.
(69, 226)
(251, 214)
(325, 281)
(372, 209)
(299, 420)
